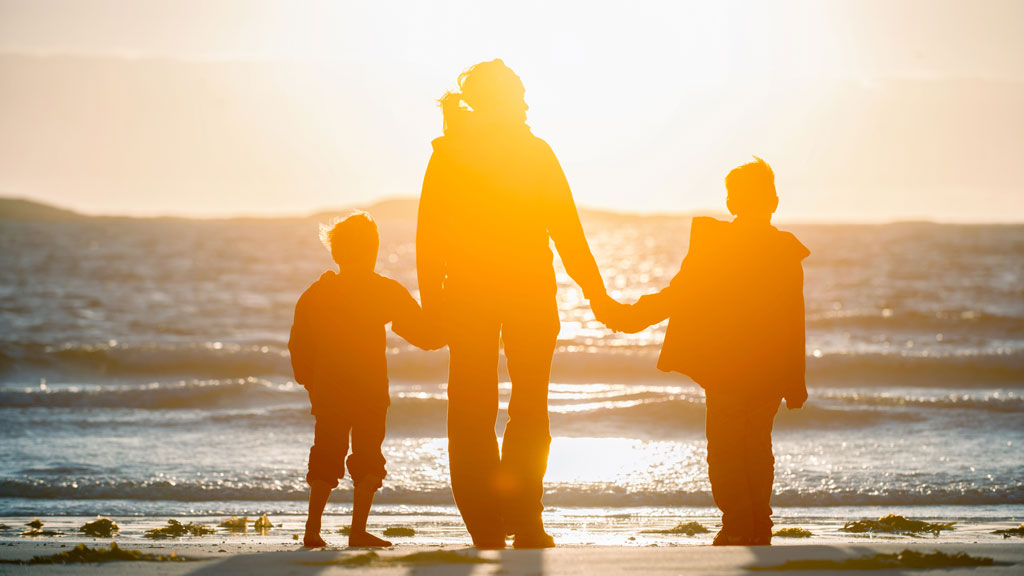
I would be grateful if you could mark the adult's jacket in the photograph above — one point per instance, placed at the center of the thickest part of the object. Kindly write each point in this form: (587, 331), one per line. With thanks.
(493, 198)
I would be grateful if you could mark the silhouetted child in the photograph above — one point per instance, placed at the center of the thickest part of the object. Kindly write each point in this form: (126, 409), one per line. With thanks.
(337, 347)
(736, 327)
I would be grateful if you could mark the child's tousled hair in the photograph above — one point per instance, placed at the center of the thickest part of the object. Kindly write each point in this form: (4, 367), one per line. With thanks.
(353, 238)
(485, 86)
(751, 187)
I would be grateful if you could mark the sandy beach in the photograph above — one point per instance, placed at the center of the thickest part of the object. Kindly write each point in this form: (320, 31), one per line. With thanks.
(587, 545)
(290, 558)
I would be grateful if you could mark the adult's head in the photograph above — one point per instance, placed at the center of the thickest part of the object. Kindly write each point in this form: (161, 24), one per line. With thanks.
(352, 241)
(492, 92)
(751, 190)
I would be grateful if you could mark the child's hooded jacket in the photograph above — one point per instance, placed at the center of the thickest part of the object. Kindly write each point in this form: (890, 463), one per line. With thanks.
(736, 310)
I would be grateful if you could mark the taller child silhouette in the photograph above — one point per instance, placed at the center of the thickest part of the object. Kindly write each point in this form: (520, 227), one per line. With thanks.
(494, 195)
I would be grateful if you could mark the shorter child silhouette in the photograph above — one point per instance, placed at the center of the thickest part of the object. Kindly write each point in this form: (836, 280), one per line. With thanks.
(337, 347)
(736, 327)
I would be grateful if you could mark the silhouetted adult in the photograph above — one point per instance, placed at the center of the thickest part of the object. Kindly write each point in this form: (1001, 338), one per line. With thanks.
(493, 196)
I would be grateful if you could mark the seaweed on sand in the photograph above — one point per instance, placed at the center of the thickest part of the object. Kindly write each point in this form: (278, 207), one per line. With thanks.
(40, 532)
(399, 531)
(83, 553)
(236, 524)
(4, 527)
(100, 528)
(344, 530)
(263, 524)
(430, 558)
(896, 524)
(905, 560)
(793, 533)
(176, 529)
(1018, 531)
(35, 528)
(687, 528)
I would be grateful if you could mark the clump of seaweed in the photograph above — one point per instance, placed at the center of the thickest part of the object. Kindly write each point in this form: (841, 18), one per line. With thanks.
(433, 557)
(115, 553)
(905, 560)
(100, 528)
(1018, 531)
(40, 532)
(687, 528)
(35, 528)
(263, 524)
(344, 530)
(399, 531)
(896, 524)
(793, 533)
(4, 527)
(176, 529)
(236, 524)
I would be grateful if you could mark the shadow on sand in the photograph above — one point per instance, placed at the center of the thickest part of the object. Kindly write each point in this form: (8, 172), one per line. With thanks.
(437, 562)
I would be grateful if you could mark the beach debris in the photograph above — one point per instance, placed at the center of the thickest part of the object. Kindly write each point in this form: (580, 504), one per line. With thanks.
(399, 531)
(4, 527)
(1018, 531)
(792, 533)
(896, 524)
(263, 524)
(115, 553)
(176, 529)
(905, 560)
(429, 558)
(295, 536)
(687, 528)
(236, 524)
(100, 528)
(344, 530)
(35, 528)
(31, 532)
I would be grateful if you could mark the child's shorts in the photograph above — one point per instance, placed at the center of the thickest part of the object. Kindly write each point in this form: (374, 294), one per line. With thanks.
(327, 456)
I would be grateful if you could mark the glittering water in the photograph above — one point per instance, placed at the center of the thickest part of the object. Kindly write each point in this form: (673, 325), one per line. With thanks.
(143, 371)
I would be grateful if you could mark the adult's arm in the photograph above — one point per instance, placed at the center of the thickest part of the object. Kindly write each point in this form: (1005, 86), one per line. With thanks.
(430, 259)
(567, 232)
(409, 321)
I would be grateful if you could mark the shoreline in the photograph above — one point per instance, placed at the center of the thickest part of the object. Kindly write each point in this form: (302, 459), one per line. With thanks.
(570, 527)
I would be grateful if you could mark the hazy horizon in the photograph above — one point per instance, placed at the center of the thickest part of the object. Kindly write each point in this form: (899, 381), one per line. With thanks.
(868, 111)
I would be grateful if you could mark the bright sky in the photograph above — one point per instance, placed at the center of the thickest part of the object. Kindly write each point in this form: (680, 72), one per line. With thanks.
(867, 110)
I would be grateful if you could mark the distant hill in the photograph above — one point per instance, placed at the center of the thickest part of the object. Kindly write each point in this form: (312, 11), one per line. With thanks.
(387, 209)
(406, 208)
(22, 209)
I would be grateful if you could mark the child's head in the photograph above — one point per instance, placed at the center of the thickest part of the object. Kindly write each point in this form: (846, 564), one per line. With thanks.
(751, 190)
(352, 241)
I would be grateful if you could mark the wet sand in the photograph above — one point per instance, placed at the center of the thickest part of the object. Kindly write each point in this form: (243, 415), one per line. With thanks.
(284, 558)
(587, 545)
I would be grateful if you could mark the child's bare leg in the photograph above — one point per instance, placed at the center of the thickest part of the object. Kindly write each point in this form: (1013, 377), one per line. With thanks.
(362, 499)
(319, 492)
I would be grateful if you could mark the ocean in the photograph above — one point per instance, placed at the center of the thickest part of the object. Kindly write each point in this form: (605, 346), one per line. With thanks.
(144, 373)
